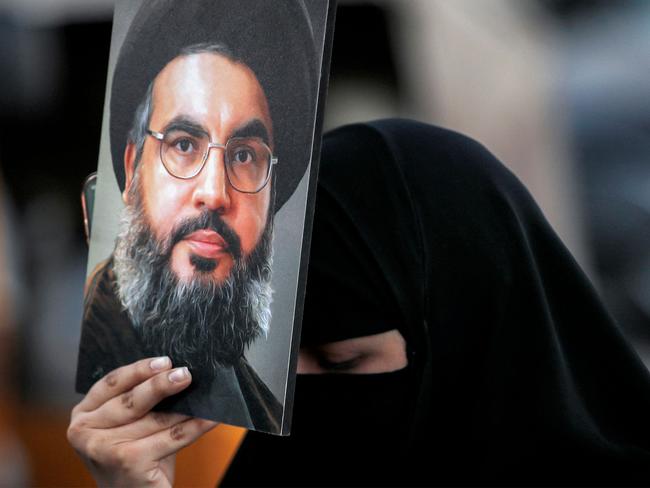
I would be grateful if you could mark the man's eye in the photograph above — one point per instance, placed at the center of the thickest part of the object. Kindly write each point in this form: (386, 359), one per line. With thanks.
(243, 156)
(184, 145)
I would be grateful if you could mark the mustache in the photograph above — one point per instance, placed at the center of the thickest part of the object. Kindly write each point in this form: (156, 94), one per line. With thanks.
(207, 220)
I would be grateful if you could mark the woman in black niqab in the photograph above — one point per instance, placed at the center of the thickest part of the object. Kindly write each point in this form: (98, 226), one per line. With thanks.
(516, 375)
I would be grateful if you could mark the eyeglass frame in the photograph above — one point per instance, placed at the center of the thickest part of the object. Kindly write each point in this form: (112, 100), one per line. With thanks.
(160, 137)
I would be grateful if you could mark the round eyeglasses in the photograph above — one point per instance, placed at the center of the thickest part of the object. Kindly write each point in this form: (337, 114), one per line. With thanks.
(248, 160)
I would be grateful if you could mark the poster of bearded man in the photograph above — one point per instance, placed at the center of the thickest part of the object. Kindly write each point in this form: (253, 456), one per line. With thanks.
(205, 183)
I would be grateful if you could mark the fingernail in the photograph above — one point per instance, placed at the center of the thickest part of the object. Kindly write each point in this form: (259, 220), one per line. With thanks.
(159, 363)
(179, 375)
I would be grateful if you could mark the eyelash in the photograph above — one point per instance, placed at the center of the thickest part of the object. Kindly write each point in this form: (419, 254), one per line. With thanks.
(338, 366)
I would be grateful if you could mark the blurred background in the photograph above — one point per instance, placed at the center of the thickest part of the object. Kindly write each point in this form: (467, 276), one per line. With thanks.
(559, 90)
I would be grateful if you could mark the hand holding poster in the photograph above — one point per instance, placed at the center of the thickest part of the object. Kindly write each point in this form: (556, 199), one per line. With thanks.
(203, 203)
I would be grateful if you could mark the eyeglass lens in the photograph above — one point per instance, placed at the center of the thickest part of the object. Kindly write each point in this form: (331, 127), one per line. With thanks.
(247, 159)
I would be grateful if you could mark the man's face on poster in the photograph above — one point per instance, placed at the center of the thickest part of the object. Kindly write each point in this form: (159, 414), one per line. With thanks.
(193, 256)
(224, 99)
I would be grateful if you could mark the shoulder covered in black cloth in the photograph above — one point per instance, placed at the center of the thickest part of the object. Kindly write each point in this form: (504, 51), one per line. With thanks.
(517, 374)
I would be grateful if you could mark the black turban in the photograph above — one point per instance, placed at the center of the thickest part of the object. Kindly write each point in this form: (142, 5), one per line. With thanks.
(274, 39)
(517, 374)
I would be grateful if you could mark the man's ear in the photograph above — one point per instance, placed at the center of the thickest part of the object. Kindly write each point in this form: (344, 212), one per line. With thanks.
(129, 170)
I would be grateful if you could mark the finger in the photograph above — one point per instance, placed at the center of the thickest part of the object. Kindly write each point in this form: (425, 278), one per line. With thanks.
(171, 440)
(106, 447)
(121, 380)
(149, 424)
(134, 404)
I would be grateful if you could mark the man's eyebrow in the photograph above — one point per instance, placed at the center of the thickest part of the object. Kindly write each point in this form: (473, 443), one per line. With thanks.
(254, 128)
(184, 123)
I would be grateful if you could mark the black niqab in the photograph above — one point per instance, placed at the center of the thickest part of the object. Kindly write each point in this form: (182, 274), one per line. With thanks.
(517, 374)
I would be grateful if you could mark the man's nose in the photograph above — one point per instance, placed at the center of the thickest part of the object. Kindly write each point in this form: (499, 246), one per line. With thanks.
(212, 189)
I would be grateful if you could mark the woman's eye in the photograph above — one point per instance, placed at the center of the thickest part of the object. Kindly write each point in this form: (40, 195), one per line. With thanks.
(338, 366)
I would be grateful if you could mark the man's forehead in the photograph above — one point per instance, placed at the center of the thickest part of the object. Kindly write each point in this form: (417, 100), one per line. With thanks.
(210, 89)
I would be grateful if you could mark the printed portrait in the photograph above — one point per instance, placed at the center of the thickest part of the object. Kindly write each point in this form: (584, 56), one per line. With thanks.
(199, 222)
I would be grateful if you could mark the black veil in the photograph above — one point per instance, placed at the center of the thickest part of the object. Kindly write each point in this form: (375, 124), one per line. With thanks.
(517, 373)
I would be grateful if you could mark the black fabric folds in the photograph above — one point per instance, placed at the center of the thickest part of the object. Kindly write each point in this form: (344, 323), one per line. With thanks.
(517, 374)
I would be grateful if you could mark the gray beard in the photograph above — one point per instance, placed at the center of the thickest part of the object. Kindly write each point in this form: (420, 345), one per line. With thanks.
(198, 323)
